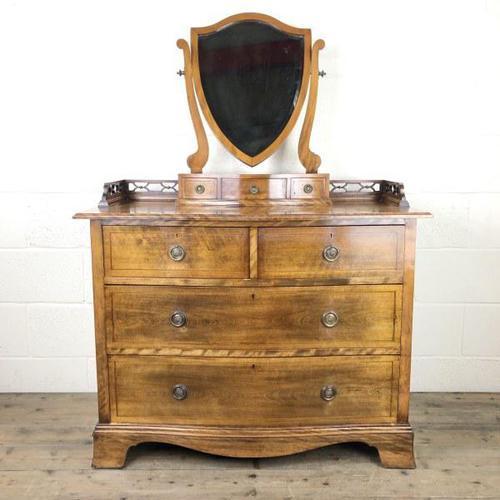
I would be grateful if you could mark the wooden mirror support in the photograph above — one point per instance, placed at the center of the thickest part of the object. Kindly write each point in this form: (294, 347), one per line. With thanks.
(197, 160)
(250, 74)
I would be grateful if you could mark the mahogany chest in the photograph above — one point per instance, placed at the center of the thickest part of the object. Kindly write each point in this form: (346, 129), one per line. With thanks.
(253, 331)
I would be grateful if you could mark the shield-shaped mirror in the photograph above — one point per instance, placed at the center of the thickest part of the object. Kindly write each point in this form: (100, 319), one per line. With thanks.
(251, 74)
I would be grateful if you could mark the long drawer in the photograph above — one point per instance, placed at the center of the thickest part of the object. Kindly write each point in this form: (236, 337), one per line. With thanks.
(176, 252)
(346, 252)
(274, 391)
(254, 318)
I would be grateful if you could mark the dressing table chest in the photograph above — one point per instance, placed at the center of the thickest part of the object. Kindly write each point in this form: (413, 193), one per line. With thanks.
(253, 315)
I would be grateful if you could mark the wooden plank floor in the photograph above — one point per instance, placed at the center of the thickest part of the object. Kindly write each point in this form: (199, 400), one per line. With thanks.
(45, 451)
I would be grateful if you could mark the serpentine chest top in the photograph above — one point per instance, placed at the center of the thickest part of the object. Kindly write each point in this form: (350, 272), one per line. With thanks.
(253, 315)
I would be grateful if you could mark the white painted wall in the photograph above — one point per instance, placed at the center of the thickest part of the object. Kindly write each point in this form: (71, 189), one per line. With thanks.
(88, 94)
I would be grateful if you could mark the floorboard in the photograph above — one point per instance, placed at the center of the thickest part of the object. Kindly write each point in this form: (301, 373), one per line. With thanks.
(45, 451)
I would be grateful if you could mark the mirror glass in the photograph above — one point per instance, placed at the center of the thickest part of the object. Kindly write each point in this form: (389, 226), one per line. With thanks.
(251, 75)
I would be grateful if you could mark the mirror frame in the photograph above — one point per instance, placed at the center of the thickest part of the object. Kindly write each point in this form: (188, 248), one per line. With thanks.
(234, 150)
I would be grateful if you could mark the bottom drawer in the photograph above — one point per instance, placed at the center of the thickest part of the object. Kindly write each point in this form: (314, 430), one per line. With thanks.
(254, 391)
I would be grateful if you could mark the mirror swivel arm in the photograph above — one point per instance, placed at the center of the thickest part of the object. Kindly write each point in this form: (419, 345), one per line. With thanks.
(310, 160)
(198, 159)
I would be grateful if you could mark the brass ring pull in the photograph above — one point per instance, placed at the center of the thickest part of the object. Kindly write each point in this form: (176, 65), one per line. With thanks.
(177, 253)
(330, 319)
(331, 253)
(200, 188)
(254, 189)
(328, 392)
(308, 189)
(178, 319)
(179, 392)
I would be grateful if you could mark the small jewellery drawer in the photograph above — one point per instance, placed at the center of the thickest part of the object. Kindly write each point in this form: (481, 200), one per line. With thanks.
(203, 188)
(308, 187)
(176, 252)
(238, 391)
(253, 188)
(357, 253)
(246, 189)
(363, 317)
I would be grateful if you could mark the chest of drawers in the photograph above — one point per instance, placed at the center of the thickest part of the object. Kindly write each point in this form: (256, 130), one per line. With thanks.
(253, 332)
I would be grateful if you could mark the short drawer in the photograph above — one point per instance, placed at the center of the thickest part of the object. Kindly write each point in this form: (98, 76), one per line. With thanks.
(277, 391)
(309, 187)
(176, 252)
(198, 188)
(253, 188)
(356, 253)
(287, 319)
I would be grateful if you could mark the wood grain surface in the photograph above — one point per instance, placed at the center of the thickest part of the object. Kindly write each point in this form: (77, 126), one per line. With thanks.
(197, 160)
(198, 187)
(255, 190)
(144, 251)
(46, 453)
(254, 391)
(394, 443)
(310, 160)
(364, 251)
(100, 321)
(253, 353)
(341, 211)
(232, 318)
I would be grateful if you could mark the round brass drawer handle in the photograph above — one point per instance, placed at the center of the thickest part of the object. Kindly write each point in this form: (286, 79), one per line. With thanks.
(179, 392)
(177, 253)
(330, 319)
(254, 189)
(178, 319)
(308, 189)
(200, 188)
(331, 253)
(328, 392)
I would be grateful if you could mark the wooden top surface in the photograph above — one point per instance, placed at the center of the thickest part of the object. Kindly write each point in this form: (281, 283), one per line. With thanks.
(170, 210)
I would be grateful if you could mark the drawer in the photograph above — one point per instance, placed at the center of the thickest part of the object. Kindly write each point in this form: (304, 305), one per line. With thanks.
(198, 188)
(176, 252)
(253, 188)
(308, 187)
(256, 318)
(277, 391)
(358, 253)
